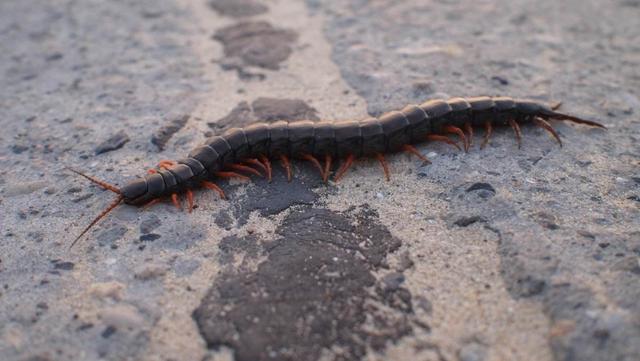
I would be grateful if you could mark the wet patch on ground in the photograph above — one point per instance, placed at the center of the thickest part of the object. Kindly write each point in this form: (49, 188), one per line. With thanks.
(315, 291)
(278, 195)
(255, 43)
(162, 135)
(114, 142)
(265, 110)
(238, 8)
(271, 198)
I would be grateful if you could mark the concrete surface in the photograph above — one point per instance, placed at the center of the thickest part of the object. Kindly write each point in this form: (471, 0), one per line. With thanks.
(499, 254)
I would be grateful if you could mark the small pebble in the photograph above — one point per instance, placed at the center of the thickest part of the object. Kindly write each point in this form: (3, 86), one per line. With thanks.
(149, 237)
(65, 266)
(122, 316)
(111, 290)
(150, 271)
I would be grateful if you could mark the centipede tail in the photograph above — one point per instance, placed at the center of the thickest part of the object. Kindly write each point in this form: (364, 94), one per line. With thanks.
(244, 152)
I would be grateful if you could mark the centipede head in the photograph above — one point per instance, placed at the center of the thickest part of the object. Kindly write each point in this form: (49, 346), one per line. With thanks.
(111, 206)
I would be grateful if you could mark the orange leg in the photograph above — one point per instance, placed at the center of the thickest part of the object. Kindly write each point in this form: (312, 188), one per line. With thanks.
(469, 129)
(286, 165)
(545, 125)
(231, 175)
(442, 138)
(411, 149)
(214, 187)
(151, 202)
(315, 162)
(241, 168)
(176, 201)
(516, 128)
(257, 163)
(327, 167)
(267, 164)
(488, 129)
(165, 163)
(343, 169)
(385, 166)
(152, 171)
(190, 199)
(455, 130)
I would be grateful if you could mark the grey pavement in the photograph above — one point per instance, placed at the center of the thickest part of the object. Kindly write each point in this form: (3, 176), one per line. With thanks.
(498, 254)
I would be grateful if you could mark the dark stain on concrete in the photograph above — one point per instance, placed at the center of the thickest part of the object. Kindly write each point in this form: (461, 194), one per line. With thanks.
(269, 198)
(239, 117)
(114, 142)
(238, 8)
(265, 110)
(162, 135)
(315, 291)
(272, 109)
(272, 198)
(257, 43)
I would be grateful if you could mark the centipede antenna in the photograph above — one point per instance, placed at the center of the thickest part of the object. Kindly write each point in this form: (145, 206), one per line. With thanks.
(102, 184)
(561, 116)
(578, 120)
(113, 205)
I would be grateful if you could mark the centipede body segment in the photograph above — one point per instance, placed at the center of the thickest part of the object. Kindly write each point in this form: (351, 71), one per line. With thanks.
(240, 152)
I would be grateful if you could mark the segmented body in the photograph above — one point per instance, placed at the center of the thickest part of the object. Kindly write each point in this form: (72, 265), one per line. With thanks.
(339, 139)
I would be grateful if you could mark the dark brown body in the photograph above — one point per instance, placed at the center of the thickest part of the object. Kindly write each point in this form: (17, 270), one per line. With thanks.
(338, 139)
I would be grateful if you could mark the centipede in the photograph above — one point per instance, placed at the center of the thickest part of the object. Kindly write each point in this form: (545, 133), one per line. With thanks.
(244, 152)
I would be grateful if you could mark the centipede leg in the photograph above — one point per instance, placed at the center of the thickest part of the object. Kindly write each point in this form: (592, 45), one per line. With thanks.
(231, 175)
(327, 167)
(287, 166)
(257, 163)
(151, 202)
(469, 129)
(267, 164)
(214, 187)
(385, 166)
(165, 163)
(411, 149)
(455, 130)
(190, 200)
(244, 168)
(488, 130)
(344, 167)
(545, 125)
(176, 201)
(516, 128)
(442, 138)
(315, 162)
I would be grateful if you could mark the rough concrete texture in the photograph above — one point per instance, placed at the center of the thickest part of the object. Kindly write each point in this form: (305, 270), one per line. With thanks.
(498, 254)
